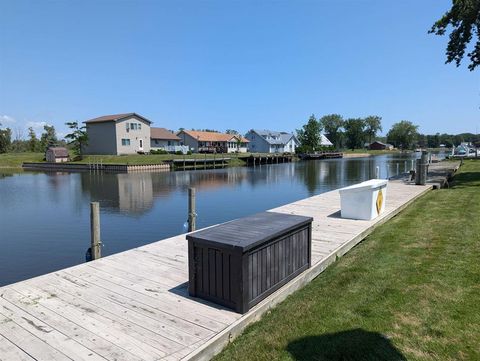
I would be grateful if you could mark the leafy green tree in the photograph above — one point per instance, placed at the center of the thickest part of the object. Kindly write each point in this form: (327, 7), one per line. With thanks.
(33, 142)
(309, 136)
(421, 140)
(464, 18)
(232, 132)
(447, 140)
(48, 138)
(5, 139)
(332, 125)
(78, 137)
(403, 134)
(433, 141)
(373, 125)
(355, 132)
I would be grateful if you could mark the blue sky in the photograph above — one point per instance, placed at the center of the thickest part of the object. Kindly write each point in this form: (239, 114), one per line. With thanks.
(231, 64)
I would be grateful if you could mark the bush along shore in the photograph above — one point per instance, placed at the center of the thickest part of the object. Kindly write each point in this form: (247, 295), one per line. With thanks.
(410, 291)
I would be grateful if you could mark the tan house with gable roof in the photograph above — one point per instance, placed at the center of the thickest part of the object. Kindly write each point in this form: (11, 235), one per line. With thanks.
(118, 134)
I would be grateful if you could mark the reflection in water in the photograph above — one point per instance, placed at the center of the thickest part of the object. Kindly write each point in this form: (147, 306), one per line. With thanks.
(42, 212)
(126, 193)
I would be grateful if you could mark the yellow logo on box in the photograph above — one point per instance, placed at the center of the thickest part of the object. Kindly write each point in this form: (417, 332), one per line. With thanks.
(379, 201)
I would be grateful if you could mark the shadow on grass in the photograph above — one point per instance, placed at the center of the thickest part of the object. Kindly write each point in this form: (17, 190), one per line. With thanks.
(466, 179)
(351, 345)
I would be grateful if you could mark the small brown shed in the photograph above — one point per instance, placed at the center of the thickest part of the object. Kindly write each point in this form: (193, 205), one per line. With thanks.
(56, 154)
(377, 145)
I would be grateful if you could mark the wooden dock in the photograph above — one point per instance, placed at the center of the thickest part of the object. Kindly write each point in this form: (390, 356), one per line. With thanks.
(199, 163)
(134, 305)
(259, 159)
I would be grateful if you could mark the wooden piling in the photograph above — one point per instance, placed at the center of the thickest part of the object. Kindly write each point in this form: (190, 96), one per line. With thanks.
(95, 243)
(192, 215)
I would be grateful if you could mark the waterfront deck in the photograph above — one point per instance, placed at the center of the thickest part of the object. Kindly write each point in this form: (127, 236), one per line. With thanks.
(135, 306)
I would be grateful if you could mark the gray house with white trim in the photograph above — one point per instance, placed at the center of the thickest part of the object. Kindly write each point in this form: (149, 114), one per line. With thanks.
(118, 134)
(268, 141)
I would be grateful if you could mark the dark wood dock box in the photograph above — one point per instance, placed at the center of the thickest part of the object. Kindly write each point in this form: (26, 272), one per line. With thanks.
(239, 263)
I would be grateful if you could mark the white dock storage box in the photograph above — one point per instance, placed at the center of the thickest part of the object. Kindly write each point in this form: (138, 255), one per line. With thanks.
(364, 200)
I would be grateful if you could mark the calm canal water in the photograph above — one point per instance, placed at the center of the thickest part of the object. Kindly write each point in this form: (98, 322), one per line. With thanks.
(44, 217)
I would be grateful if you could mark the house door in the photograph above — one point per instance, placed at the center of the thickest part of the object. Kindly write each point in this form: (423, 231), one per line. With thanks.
(140, 144)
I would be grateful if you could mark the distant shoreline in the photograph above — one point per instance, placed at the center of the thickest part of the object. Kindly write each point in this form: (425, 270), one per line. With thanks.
(356, 155)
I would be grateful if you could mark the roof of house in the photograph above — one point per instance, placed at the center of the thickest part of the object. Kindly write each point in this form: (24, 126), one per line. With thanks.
(274, 137)
(162, 133)
(59, 152)
(324, 141)
(381, 143)
(213, 137)
(378, 142)
(114, 118)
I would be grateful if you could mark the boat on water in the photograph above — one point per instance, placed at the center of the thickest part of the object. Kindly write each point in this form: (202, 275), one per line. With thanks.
(465, 150)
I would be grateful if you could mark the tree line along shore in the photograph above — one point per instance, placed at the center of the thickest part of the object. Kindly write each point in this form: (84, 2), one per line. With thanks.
(347, 135)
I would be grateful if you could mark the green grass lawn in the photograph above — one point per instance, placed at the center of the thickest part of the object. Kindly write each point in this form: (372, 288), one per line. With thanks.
(15, 160)
(153, 158)
(368, 151)
(410, 291)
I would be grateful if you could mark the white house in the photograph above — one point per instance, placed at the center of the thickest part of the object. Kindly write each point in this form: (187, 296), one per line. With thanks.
(268, 141)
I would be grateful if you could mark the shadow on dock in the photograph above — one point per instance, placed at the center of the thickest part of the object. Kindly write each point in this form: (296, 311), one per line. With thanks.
(356, 344)
(182, 291)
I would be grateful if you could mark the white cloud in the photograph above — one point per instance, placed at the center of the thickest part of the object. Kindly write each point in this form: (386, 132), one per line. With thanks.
(6, 120)
(36, 125)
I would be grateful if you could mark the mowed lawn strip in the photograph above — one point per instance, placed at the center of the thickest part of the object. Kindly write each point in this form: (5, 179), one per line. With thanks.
(410, 291)
(15, 160)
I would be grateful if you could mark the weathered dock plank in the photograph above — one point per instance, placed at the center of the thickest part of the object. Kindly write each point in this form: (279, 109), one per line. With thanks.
(87, 318)
(135, 305)
(8, 351)
(43, 331)
(32, 345)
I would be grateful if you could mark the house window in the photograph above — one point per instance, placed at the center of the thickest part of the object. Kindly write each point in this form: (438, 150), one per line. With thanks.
(156, 141)
(126, 142)
(128, 126)
(133, 126)
(139, 126)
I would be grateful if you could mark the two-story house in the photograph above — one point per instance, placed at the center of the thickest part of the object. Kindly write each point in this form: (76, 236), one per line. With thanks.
(118, 134)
